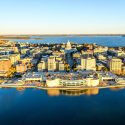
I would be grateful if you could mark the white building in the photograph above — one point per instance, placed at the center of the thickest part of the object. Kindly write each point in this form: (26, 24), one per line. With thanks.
(88, 63)
(42, 65)
(51, 63)
(115, 65)
(35, 76)
(89, 82)
(61, 66)
(68, 46)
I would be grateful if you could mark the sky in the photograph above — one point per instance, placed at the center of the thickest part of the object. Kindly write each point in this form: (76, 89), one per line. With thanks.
(62, 16)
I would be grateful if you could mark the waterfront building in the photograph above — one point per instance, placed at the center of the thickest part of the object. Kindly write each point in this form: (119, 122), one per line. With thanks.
(35, 76)
(115, 65)
(70, 80)
(53, 83)
(106, 76)
(88, 62)
(90, 82)
(73, 83)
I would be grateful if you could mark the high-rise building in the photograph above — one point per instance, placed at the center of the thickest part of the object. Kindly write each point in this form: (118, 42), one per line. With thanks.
(51, 63)
(42, 65)
(115, 65)
(88, 62)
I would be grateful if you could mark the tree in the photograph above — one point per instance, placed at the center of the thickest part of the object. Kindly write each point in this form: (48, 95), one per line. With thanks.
(67, 67)
(104, 69)
(74, 68)
(11, 71)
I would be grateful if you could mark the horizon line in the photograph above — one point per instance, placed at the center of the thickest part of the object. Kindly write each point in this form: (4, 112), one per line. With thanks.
(66, 34)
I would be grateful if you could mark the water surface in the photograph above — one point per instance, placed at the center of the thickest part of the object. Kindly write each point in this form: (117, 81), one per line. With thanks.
(112, 41)
(39, 107)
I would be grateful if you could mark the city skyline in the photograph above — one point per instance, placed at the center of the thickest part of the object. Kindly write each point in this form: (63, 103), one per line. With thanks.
(62, 17)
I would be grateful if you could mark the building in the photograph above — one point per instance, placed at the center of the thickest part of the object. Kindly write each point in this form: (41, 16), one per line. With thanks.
(25, 60)
(42, 65)
(90, 82)
(25, 51)
(51, 63)
(53, 83)
(123, 70)
(59, 53)
(14, 58)
(87, 52)
(100, 66)
(3, 74)
(101, 57)
(68, 46)
(100, 49)
(5, 65)
(115, 65)
(21, 68)
(106, 76)
(70, 80)
(35, 76)
(88, 62)
(61, 66)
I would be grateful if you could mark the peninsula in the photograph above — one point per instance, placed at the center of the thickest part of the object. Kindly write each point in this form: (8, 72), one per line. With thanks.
(64, 66)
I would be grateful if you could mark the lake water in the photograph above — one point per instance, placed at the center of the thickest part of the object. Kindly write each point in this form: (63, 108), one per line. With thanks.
(54, 107)
(101, 40)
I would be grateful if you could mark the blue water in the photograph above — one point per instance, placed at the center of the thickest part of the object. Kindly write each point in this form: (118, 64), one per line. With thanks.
(36, 107)
(101, 40)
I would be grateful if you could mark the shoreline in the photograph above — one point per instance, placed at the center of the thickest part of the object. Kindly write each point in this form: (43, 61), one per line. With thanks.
(61, 88)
